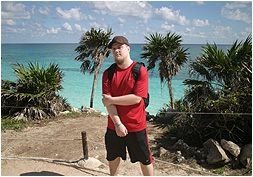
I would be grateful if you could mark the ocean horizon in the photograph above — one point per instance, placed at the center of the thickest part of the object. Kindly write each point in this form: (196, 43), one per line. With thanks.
(77, 87)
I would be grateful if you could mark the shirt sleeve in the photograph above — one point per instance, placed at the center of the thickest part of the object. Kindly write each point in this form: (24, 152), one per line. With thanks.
(141, 85)
(106, 84)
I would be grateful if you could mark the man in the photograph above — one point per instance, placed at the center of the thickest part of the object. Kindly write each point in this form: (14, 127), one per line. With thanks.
(123, 98)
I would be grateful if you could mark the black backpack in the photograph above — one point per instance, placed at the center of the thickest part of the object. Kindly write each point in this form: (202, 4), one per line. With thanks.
(135, 71)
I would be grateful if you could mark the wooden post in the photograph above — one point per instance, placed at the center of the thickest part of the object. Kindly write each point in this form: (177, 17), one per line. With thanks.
(85, 146)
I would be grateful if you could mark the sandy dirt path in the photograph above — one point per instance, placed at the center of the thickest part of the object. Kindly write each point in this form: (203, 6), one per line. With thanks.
(55, 148)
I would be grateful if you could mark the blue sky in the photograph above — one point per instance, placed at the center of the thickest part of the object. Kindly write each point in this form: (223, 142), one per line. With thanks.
(198, 22)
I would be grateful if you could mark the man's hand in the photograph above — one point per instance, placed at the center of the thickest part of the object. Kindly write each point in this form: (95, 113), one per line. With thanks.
(121, 131)
(106, 100)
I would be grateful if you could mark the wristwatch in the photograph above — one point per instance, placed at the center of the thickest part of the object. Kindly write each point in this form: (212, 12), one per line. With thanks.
(117, 124)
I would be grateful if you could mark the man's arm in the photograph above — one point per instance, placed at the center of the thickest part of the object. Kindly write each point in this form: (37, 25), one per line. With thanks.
(111, 109)
(120, 129)
(125, 100)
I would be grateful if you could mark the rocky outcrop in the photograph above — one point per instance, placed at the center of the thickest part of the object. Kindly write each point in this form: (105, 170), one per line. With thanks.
(188, 150)
(246, 156)
(89, 110)
(231, 147)
(215, 152)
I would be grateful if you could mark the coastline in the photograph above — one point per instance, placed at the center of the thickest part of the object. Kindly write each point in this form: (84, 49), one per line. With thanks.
(77, 86)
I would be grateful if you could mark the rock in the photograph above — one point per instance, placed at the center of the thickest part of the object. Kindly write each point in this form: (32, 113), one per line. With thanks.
(89, 110)
(215, 152)
(185, 148)
(231, 147)
(179, 144)
(189, 151)
(179, 153)
(246, 156)
(201, 153)
(20, 116)
(103, 114)
(75, 110)
(91, 163)
(173, 138)
(180, 158)
(163, 152)
(64, 112)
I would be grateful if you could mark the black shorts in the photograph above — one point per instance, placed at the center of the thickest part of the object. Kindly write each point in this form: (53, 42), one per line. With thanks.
(136, 143)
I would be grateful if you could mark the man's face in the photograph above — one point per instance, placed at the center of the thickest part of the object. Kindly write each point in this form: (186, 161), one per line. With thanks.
(120, 52)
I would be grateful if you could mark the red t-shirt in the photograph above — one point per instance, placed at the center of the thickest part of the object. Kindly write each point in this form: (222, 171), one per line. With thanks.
(133, 116)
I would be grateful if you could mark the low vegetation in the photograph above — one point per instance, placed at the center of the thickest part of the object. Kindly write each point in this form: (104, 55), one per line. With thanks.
(218, 101)
(34, 95)
(13, 124)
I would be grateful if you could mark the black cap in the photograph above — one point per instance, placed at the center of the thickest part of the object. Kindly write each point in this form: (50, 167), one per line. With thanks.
(119, 39)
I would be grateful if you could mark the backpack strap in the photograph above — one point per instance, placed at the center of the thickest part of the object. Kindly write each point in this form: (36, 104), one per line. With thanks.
(111, 71)
(136, 70)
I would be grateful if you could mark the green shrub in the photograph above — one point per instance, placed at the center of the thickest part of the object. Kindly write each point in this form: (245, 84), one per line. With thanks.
(35, 93)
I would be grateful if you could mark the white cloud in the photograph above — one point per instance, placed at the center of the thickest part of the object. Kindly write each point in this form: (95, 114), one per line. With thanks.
(91, 18)
(11, 10)
(127, 10)
(78, 27)
(221, 32)
(232, 11)
(244, 33)
(72, 14)
(84, 29)
(67, 26)
(191, 32)
(237, 4)
(172, 16)
(248, 29)
(95, 25)
(53, 31)
(222, 28)
(168, 27)
(33, 9)
(121, 20)
(149, 29)
(198, 22)
(200, 2)
(16, 30)
(8, 22)
(44, 10)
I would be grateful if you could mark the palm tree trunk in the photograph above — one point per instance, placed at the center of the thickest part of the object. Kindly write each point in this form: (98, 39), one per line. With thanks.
(171, 94)
(93, 87)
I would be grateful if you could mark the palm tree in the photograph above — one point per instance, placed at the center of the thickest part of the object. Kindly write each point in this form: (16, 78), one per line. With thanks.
(168, 52)
(93, 44)
(221, 73)
(221, 83)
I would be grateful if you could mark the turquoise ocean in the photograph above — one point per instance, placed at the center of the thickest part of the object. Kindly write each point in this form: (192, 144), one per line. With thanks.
(77, 86)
